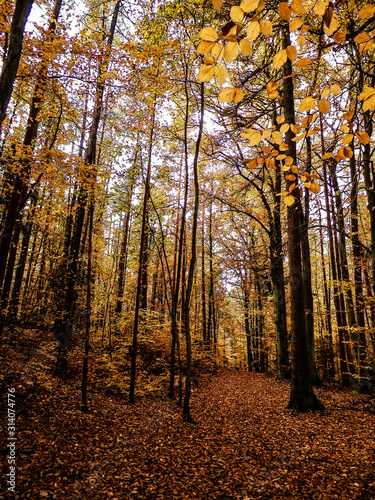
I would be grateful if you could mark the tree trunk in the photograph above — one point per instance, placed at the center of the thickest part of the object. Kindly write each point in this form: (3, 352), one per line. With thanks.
(10, 67)
(302, 397)
(140, 291)
(186, 407)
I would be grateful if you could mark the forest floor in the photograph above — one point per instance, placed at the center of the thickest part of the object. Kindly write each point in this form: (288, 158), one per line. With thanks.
(243, 445)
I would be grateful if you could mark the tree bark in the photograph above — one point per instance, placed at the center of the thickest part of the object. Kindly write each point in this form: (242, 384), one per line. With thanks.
(10, 67)
(302, 397)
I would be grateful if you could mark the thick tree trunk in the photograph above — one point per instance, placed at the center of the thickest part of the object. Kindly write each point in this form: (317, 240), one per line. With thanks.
(10, 67)
(302, 397)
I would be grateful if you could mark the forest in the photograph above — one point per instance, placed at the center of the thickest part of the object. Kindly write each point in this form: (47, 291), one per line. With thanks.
(187, 248)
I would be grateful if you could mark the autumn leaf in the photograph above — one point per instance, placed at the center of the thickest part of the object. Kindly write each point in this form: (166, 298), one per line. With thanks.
(231, 50)
(291, 53)
(249, 5)
(285, 11)
(335, 89)
(366, 11)
(208, 34)
(221, 74)
(297, 7)
(238, 96)
(306, 104)
(266, 27)
(206, 72)
(295, 25)
(324, 106)
(205, 47)
(217, 4)
(280, 58)
(227, 94)
(289, 200)
(253, 30)
(363, 137)
(236, 14)
(246, 47)
(303, 63)
(272, 90)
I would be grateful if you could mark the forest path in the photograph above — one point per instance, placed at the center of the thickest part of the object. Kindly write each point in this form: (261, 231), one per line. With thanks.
(244, 445)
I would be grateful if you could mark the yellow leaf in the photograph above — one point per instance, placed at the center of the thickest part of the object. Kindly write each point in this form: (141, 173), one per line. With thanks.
(301, 41)
(333, 26)
(327, 155)
(348, 116)
(283, 193)
(284, 128)
(290, 177)
(363, 137)
(345, 128)
(291, 52)
(277, 137)
(208, 60)
(281, 157)
(206, 72)
(266, 27)
(236, 14)
(315, 188)
(362, 37)
(339, 37)
(289, 161)
(230, 51)
(208, 34)
(205, 47)
(295, 25)
(297, 7)
(270, 163)
(285, 11)
(283, 147)
(266, 134)
(249, 5)
(305, 28)
(369, 103)
(347, 138)
(296, 129)
(366, 93)
(272, 90)
(253, 30)
(366, 11)
(325, 93)
(226, 95)
(340, 155)
(320, 8)
(221, 74)
(306, 104)
(217, 51)
(217, 4)
(251, 163)
(288, 200)
(303, 63)
(348, 152)
(246, 47)
(280, 58)
(238, 96)
(365, 46)
(280, 119)
(323, 106)
(335, 89)
(307, 184)
(254, 136)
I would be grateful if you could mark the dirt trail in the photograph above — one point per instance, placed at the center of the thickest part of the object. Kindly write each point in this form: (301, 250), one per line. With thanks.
(244, 445)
